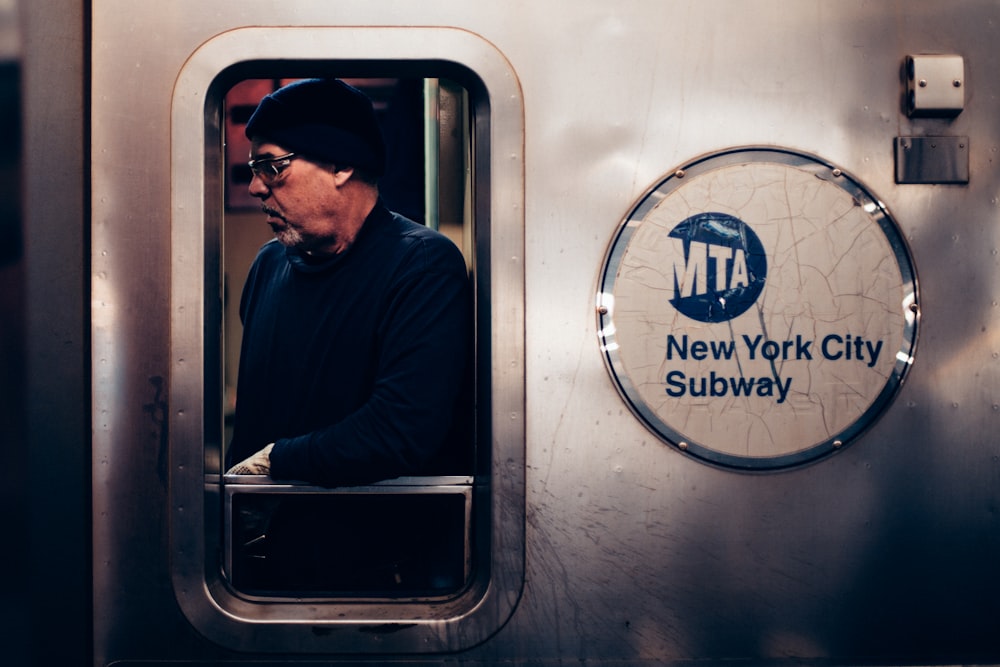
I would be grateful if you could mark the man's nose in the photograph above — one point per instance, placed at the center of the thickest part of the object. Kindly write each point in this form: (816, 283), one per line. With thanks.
(257, 187)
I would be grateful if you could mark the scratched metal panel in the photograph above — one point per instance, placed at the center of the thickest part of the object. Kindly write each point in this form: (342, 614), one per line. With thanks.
(884, 552)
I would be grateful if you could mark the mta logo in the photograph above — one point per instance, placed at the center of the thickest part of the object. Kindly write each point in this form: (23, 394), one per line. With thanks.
(719, 267)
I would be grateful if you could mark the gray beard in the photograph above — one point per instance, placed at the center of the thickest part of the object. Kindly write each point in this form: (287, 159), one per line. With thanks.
(289, 237)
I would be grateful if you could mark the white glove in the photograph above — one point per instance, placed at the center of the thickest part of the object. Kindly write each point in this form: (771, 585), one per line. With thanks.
(258, 464)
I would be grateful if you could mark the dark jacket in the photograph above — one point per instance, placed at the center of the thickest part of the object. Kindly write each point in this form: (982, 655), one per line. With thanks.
(354, 367)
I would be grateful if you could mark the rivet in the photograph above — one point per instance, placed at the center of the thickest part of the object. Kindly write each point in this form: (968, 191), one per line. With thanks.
(913, 307)
(837, 172)
(923, 83)
(957, 83)
(603, 310)
(838, 443)
(682, 445)
(679, 173)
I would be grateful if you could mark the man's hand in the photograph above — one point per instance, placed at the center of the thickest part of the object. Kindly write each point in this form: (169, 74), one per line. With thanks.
(258, 464)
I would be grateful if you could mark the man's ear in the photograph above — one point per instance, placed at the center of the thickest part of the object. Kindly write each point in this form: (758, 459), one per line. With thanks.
(342, 174)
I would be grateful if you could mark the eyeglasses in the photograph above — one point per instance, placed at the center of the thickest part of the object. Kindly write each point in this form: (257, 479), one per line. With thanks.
(270, 169)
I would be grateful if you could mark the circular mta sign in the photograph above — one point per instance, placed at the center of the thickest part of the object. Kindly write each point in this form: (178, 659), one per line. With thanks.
(758, 309)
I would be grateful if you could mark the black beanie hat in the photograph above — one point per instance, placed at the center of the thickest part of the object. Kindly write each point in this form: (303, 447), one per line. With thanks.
(322, 118)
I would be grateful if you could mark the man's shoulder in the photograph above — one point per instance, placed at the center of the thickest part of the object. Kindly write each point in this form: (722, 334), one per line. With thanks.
(421, 241)
(407, 228)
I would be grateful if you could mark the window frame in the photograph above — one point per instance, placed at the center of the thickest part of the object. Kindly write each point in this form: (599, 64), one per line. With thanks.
(195, 390)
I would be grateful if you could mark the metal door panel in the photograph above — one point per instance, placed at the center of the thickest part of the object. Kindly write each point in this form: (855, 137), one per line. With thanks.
(884, 552)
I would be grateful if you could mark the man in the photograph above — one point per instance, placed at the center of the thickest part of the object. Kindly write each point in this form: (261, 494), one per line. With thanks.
(356, 321)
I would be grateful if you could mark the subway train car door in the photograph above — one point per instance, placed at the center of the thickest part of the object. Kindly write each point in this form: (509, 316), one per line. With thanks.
(735, 268)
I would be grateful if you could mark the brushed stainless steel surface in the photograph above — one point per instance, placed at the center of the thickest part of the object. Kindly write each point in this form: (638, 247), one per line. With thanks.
(47, 539)
(932, 160)
(632, 552)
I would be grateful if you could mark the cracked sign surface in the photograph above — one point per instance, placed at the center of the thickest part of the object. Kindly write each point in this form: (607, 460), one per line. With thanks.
(758, 309)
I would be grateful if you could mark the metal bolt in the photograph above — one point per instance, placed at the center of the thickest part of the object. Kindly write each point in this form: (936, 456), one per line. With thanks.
(913, 307)
(837, 172)
(838, 443)
(923, 83)
(957, 83)
(603, 310)
(679, 173)
(682, 445)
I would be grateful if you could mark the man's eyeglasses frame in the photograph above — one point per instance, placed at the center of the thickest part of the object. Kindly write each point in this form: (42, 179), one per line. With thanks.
(271, 169)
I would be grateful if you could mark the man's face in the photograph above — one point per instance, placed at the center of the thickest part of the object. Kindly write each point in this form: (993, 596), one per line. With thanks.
(302, 202)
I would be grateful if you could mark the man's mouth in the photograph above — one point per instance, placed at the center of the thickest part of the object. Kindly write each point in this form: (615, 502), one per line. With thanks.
(271, 213)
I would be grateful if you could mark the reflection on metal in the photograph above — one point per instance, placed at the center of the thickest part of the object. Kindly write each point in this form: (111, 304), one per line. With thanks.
(432, 150)
(403, 538)
(761, 309)
(633, 553)
(932, 160)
